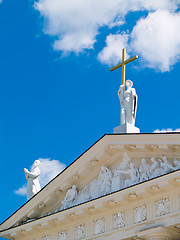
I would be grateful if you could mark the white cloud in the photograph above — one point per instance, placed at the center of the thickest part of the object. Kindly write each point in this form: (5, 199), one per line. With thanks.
(166, 130)
(75, 24)
(49, 169)
(21, 191)
(112, 53)
(156, 38)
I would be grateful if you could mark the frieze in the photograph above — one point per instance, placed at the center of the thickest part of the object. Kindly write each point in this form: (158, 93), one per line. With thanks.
(125, 175)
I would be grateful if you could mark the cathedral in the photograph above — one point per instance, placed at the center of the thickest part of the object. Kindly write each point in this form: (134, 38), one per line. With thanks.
(125, 186)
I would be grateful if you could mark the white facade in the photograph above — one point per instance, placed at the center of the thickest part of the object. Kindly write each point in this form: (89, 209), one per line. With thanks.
(117, 194)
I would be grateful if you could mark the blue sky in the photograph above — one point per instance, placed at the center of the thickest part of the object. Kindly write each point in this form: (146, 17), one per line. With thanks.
(56, 89)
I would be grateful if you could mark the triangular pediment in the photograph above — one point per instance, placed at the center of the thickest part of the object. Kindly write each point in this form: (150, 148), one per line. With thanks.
(95, 173)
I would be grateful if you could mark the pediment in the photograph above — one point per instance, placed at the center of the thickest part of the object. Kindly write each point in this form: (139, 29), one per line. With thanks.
(98, 172)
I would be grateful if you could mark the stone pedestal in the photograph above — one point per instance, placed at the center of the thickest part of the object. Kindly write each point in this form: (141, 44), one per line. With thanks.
(158, 233)
(126, 128)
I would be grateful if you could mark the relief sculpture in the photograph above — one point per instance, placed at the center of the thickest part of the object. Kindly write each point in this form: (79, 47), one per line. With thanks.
(127, 174)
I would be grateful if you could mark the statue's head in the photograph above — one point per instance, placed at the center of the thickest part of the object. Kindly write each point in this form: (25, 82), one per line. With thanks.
(36, 163)
(129, 83)
(131, 165)
(74, 187)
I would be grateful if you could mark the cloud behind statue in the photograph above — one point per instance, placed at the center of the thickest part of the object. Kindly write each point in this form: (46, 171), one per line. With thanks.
(49, 168)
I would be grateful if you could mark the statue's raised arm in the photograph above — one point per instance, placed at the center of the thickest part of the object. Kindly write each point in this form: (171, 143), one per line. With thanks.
(33, 185)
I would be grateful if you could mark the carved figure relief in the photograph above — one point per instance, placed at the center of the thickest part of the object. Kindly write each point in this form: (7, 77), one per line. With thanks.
(155, 168)
(104, 181)
(99, 226)
(162, 207)
(118, 220)
(165, 164)
(144, 170)
(63, 235)
(125, 175)
(133, 173)
(80, 231)
(176, 164)
(140, 214)
(70, 197)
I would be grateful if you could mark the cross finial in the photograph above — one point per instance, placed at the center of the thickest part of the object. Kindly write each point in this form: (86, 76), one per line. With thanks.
(123, 64)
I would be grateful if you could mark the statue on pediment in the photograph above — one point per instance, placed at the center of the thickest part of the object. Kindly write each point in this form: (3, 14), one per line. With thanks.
(128, 100)
(118, 177)
(104, 181)
(176, 164)
(165, 165)
(144, 170)
(155, 168)
(33, 185)
(70, 197)
(134, 175)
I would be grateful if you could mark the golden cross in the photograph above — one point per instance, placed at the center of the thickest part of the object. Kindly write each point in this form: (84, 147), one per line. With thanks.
(123, 64)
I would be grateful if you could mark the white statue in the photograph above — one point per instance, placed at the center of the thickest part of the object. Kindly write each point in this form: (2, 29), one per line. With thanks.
(33, 185)
(83, 195)
(99, 226)
(70, 197)
(134, 175)
(176, 164)
(144, 170)
(166, 165)
(118, 178)
(155, 168)
(128, 100)
(104, 181)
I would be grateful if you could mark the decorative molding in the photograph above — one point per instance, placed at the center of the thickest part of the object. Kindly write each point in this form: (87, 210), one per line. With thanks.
(63, 235)
(58, 192)
(140, 214)
(118, 220)
(46, 238)
(94, 162)
(41, 205)
(155, 187)
(80, 231)
(162, 207)
(99, 226)
(133, 195)
(75, 177)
